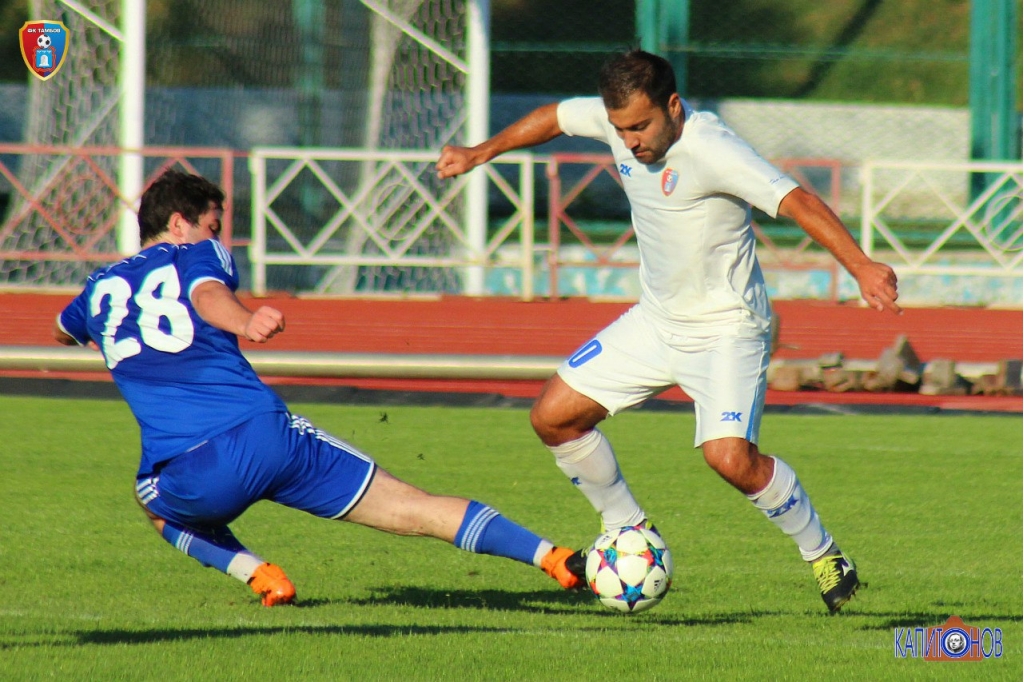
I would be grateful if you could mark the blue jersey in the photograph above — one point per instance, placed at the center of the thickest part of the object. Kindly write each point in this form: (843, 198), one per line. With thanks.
(184, 380)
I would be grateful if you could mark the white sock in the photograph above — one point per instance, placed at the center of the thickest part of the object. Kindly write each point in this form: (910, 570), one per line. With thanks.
(543, 548)
(786, 505)
(590, 464)
(244, 565)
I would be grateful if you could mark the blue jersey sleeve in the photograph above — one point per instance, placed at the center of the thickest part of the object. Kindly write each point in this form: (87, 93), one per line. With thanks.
(74, 319)
(205, 261)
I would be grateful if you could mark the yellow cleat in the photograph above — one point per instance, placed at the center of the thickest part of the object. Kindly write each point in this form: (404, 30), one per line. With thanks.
(837, 578)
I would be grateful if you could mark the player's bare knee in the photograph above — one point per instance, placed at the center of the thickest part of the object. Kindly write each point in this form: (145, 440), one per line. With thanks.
(540, 422)
(731, 463)
(745, 468)
(546, 424)
(157, 522)
(556, 426)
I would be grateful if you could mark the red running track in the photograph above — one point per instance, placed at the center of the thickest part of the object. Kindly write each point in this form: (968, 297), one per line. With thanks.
(500, 326)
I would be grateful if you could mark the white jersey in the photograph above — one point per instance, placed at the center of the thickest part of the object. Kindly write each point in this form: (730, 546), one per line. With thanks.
(691, 214)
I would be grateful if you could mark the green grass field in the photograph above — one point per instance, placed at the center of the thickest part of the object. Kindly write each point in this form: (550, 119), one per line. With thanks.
(929, 506)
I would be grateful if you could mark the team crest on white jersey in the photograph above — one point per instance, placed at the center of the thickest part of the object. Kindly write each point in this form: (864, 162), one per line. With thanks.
(669, 180)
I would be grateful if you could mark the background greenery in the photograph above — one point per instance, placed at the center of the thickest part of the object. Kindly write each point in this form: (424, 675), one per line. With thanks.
(907, 51)
(929, 506)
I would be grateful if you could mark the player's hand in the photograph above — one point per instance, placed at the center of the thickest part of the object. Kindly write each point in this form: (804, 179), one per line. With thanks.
(264, 324)
(456, 161)
(877, 283)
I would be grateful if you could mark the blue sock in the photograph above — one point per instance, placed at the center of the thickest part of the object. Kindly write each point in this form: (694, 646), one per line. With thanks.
(485, 531)
(216, 548)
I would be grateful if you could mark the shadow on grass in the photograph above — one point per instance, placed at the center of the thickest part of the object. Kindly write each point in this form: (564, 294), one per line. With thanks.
(120, 636)
(546, 602)
(538, 601)
(925, 619)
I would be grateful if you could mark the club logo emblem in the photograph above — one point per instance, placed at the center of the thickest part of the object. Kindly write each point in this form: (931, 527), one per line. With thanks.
(44, 46)
(669, 180)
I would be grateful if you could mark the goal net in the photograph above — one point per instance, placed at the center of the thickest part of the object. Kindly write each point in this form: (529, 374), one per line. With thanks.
(56, 228)
(416, 101)
(373, 74)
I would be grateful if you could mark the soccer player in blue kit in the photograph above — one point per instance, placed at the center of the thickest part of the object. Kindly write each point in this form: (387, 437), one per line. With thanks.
(703, 319)
(216, 439)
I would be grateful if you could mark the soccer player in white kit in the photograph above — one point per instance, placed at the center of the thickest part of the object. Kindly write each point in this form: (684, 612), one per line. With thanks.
(703, 319)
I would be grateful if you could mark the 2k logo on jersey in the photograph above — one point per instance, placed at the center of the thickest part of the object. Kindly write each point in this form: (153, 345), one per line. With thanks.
(732, 417)
(625, 170)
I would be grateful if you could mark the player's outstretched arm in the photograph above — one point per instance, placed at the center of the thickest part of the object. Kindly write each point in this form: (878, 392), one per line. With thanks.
(537, 127)
(219, 306)
(877, 281)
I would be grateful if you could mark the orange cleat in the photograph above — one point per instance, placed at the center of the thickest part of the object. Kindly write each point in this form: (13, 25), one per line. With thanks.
(553, 564)
(270, 582)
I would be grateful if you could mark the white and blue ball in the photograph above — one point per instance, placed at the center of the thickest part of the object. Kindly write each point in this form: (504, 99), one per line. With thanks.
(629, 569)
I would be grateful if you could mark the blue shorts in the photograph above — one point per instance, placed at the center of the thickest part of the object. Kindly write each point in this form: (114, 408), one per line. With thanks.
(274, 456)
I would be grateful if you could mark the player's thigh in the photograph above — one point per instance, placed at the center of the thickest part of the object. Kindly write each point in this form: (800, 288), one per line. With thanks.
(726, 377)
(324, 475)
(622, 366)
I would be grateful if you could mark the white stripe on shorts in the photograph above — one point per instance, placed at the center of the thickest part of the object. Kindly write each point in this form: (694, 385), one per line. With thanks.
(146, 489)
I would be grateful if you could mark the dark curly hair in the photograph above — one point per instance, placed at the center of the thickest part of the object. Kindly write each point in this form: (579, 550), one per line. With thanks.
(636, 71)
(175, 192)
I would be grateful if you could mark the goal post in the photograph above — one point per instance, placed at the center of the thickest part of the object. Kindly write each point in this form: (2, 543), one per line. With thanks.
(478, 96)
(403, 75)
(94, 101)
(429, 85)
(133, 115)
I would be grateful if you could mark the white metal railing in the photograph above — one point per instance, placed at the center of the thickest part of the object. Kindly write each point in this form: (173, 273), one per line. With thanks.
(614, 254)
(66, 204)
(957, 219)
(387, 201)
(967, 217)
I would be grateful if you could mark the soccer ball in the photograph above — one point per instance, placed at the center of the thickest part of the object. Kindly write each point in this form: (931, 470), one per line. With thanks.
(629, 569)
(43, 41)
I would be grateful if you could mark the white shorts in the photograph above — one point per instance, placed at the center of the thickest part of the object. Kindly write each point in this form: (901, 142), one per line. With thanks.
(630, 360)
